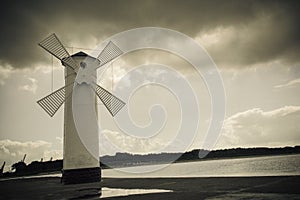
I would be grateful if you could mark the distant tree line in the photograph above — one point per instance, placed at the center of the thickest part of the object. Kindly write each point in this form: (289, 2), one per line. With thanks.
(126, 159)
(238, 152)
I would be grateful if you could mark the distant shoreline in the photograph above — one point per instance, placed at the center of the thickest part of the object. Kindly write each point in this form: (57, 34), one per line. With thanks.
(121, 160)
(128, 160)
(237, 157)
(48, 174)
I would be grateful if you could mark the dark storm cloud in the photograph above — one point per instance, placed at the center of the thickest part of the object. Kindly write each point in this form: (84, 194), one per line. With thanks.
(25, 23)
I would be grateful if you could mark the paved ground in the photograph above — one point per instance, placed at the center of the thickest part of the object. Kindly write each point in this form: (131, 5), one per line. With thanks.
(284, 187)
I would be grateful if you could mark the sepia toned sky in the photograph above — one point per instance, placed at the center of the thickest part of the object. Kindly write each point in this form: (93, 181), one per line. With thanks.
(255, 44)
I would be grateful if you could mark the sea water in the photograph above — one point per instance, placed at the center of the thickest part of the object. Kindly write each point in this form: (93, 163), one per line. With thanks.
(253, 166)
(283, 165)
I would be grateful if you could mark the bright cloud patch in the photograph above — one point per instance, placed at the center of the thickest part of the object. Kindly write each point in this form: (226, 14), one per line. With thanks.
(31, 86)
(13, 151)
(126, 143)
(256, 127)
(289, 84)
(5, 73)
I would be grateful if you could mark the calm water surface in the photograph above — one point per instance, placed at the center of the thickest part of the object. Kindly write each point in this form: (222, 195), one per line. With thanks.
(255, 166)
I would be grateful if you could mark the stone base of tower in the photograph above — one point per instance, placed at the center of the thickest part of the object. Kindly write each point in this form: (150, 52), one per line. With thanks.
(85, 175)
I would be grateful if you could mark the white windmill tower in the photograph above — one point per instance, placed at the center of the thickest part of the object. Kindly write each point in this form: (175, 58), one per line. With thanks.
(81, 146)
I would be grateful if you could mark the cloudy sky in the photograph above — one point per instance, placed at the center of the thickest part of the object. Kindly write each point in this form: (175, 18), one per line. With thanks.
(255, 45)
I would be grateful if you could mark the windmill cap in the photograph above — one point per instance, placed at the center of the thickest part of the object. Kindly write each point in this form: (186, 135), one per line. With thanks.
(82, 54)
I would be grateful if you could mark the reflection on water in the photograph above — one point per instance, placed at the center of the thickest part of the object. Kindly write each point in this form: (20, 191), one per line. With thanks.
(255, 166)
(105, 192)
(117, 192)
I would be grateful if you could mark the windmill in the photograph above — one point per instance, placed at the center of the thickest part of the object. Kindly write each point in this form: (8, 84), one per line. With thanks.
(81, 145)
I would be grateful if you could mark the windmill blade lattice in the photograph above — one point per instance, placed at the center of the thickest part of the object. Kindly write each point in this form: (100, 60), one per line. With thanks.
(110, 52)
(53, 45)
(52, 102)
(111, 102)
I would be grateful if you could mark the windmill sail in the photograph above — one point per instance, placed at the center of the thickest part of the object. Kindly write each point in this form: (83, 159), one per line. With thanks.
(110, 52)
(53, 45)
(52, 102)
(111, 102)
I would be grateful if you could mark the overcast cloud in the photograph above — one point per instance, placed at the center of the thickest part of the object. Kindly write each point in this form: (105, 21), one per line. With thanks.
(236, 33)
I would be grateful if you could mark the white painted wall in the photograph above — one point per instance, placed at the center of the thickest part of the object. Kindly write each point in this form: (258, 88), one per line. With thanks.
(80, 151)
